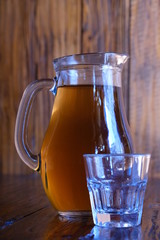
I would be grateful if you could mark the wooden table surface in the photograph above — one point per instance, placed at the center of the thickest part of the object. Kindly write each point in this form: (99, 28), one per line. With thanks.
(26, 213)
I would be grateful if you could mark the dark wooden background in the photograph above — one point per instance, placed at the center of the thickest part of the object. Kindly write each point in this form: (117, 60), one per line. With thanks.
(33, 32)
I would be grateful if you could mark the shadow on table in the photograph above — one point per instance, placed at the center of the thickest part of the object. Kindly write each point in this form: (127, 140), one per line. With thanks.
(114, 233)
(61, 228)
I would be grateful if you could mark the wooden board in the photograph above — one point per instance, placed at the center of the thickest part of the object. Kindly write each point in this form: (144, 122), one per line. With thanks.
(144, 110)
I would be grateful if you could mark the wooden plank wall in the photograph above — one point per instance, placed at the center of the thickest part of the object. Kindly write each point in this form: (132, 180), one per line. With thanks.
(32, 33)
(144, 110)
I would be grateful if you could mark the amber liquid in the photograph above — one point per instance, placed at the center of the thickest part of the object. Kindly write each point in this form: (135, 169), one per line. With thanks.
(85, 119)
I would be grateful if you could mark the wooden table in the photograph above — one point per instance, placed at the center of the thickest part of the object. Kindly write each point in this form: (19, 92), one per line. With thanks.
(25, 213)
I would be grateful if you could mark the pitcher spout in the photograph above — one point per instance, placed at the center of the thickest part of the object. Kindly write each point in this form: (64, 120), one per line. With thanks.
(115, 60)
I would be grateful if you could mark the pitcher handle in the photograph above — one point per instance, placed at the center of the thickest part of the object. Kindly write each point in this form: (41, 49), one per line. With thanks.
(30, 159)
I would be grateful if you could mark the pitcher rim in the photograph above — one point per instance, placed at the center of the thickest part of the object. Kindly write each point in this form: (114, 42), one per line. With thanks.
(96, 58)
(92, 53)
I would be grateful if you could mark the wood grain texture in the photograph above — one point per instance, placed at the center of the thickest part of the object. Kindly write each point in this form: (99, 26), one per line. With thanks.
(104, 25)
(145, 77)
(32, 34)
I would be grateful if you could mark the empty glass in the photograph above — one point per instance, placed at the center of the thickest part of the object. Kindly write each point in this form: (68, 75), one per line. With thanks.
(117, 185)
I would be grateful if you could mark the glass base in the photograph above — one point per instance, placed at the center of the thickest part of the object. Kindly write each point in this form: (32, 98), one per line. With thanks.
(112, 220)
(75, 214)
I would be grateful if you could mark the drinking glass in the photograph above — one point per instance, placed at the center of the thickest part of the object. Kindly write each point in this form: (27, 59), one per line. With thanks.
(117, 185)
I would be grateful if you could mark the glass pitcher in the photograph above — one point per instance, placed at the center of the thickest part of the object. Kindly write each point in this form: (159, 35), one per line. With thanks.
(88, 117)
